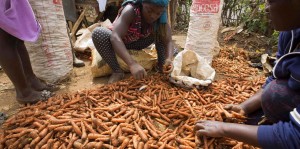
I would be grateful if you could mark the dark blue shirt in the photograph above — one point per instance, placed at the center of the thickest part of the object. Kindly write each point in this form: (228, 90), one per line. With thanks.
(288, 59)
(282, 135)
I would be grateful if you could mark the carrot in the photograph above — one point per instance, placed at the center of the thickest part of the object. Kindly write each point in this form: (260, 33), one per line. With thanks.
(128, 114)
(71, 141)
(94, 145)
(88, 127)
(108, 146)
(111, 108)
(135, 141)
(140, 132)
(94, 136)
(84, 135)
(128, 130)
(115, 132)
(186, 142)
(135, 114)
(44, 140)
(56, 145)
(152, 132)
(154, 115)
(34, 142)
(63, 128)
(99, 123)
(163, 116)
(118, 120)
(162, 121)
(141, 145)
(78, 145)
(76, 128)
(102, 117)
(52, 127)
(124, 143)
(129, 97)
(122, 111)
(169, 137)
(185, 147)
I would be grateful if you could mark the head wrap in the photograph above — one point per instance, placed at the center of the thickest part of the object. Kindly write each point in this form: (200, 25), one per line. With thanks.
(164, 3)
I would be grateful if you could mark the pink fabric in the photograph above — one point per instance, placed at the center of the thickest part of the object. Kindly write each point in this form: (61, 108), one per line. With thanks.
(17, 18)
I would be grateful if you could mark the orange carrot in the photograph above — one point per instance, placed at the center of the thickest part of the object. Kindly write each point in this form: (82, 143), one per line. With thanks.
(94, 145)
(140, 132)
(129, 97)
(76, 128)
(140, 145)
(94, 136)
(128, 130)
(63, 128)
(83, 130)
(88, 127)
(124, 143)
(118, 120)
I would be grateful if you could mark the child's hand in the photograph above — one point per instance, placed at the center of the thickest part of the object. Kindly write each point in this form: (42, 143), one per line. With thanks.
(209, 128)
(137, 71)
(235, 108)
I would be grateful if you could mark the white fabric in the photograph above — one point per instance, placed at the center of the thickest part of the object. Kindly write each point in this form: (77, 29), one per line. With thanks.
(102, 5)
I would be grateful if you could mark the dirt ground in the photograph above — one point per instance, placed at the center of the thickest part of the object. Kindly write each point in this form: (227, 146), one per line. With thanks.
(80, 79)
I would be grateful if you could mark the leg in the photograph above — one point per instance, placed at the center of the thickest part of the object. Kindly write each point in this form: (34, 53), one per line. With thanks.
(35, 82)
(278, 100)
(101, 40)
(11, 63)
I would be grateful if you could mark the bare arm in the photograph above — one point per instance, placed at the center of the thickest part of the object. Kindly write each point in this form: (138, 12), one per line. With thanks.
(240, 132)
(253, 103)
(169, 43)
(120, 30)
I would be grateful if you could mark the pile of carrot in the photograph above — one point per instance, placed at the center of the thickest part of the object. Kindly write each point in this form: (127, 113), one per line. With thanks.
(136, 114)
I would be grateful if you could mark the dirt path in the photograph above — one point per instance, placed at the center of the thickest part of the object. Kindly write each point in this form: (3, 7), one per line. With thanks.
(79, 79)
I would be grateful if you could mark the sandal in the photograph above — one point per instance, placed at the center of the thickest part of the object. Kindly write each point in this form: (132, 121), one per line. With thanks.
(3, 117)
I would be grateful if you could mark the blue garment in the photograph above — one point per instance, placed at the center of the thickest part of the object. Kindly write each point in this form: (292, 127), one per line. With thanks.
(164, 3)
(288, 59)
(282, 135)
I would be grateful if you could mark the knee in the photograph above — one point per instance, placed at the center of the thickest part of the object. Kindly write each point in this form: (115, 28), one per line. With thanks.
(278, 100)
(100, 34)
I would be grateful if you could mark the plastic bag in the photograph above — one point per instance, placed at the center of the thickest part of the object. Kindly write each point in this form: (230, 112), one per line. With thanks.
(191, 70)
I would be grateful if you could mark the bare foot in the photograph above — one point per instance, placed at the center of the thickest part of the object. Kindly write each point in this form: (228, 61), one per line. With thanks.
(115, 77)
(34, 97)
(39, 85)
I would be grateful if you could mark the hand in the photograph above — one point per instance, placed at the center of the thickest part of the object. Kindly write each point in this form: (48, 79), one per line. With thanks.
(209, 128)
(137, 71)
(236, 108)
(168, 66)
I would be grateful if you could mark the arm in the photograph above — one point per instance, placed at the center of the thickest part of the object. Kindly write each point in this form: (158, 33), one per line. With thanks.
(120, 30)
(253, 103)
(240, 132)
(168, 43)
(248, 106)
(279, 135)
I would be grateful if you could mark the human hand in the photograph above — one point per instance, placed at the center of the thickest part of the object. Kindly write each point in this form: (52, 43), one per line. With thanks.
(236, 108)
(209, 128)
(137, 71)
(168, 66)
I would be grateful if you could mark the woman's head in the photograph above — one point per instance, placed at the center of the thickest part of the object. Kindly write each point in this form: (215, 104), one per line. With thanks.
(152, 12)
(284, 14)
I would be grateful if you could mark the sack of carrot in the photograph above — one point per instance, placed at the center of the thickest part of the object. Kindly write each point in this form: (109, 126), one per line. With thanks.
(121, 115)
